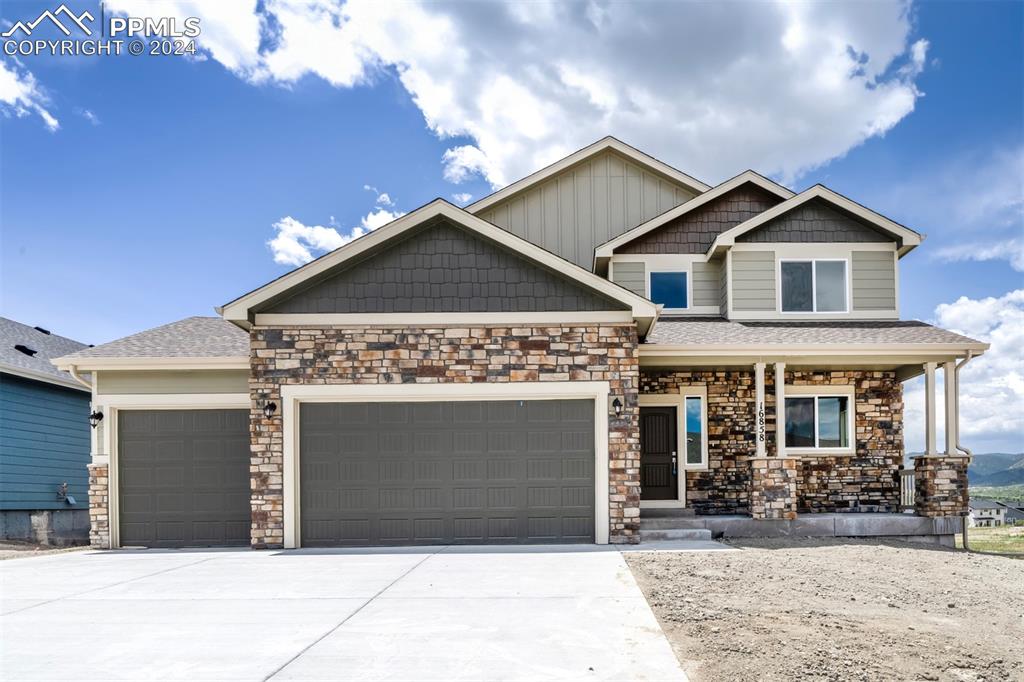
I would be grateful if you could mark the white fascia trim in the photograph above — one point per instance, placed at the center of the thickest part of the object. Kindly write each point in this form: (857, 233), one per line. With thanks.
(42, 377)
(873, 350)
(238, 310)
(154, 363)
(583, 154)
(440, 319)
(908, 237)
(292, 396)
(608, 248)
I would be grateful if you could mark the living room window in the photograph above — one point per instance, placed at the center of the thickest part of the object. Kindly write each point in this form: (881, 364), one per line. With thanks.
(813, 285)
(670, 289)
(819, 422)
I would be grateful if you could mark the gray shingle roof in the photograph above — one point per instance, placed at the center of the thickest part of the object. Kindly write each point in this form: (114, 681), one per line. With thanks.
(718, 331)
(193, 337)
(47, 347)
(982, 503)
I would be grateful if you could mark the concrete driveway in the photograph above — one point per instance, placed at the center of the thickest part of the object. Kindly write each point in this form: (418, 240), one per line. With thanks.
(445, 613)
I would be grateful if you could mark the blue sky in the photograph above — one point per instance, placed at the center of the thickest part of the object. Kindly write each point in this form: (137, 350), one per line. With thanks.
(156, 196)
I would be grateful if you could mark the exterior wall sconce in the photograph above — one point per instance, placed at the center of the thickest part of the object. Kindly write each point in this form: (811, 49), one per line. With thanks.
(617, 406)
(269, 408)
(95, 418)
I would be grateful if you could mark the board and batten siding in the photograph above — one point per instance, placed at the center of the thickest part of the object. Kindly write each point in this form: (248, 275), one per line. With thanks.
(706, 284)
(44, 442)
(141, 382)
(631, 275)
(873, 280)
(723, 283)
(753, 280)
(573, 212)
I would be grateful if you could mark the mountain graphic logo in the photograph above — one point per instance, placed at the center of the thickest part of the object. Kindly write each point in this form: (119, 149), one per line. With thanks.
(77, 20)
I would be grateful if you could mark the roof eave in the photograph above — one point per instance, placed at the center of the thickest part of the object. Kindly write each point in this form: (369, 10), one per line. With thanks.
(151, 363)
(35, 375)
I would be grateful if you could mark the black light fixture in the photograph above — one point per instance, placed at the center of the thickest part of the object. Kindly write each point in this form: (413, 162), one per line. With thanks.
(95, 418)
(617, 406)
(269, 408)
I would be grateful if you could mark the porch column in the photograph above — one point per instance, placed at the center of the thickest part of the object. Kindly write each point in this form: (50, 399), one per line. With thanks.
(929, 410)
(759, 425)
(949, 375)
(780, 409)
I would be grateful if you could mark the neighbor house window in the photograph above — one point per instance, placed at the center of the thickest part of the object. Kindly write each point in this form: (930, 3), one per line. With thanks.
(813, 286)
(670, 289)
(821, 421)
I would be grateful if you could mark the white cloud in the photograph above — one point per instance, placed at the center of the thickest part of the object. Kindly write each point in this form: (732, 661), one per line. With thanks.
(88, 116)
(21, 94)
(462, 197)
(1011, 250)
(991, 386)
(782, 87)
(378, 217)
(383, 198)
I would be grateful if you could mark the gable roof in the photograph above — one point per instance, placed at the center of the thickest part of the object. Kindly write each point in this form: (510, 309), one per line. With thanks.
(602, 145)
(193, 342)
(240, 310)
(37, 366)
(605, 251)
(906, 238)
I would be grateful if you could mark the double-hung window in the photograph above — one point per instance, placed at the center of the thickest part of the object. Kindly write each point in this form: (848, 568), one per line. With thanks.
(671, 289)
(813, 286)
(820, 422)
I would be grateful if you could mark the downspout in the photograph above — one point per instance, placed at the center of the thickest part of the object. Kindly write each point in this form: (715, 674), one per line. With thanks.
(961, 448)
(73, 371)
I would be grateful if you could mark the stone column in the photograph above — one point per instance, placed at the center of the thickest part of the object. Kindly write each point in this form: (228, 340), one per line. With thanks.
(773, 488)
(99, 506)
(940, 485)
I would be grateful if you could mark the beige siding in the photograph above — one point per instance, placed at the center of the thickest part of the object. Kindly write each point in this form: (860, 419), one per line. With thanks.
(632, 276)
(573, 212)
(753, 280)
(874, 280)
(706, 284)
(156, 382)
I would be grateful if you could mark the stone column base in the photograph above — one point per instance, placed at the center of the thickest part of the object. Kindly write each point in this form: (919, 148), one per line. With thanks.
(940, 485)
(99, 518)
(773, 487)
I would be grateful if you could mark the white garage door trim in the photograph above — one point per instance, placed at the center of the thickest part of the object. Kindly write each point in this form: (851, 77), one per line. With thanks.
(111, 404)
(292, 396)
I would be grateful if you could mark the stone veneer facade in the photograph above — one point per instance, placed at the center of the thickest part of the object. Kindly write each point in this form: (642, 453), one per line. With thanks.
(865, 481)
(940, 486)
(99, 506)
(773, 487)
(335, 355)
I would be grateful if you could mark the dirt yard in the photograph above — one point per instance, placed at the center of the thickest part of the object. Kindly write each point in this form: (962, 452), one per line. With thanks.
(846, 610)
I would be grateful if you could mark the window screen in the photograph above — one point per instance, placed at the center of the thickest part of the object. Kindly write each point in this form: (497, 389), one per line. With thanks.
(797, 285)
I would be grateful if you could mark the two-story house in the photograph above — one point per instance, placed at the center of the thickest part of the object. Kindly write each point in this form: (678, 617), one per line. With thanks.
(605, 346)
(986, 513)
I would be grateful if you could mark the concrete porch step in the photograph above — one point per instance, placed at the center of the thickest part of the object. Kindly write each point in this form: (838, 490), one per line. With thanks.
(674, 534)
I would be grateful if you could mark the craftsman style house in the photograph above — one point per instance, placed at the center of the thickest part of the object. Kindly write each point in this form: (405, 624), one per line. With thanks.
(605, 347)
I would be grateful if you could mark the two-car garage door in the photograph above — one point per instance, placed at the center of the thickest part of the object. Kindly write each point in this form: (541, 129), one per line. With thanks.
(387, 473)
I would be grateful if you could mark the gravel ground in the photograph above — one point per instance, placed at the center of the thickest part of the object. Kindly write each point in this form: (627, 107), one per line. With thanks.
(842, 610)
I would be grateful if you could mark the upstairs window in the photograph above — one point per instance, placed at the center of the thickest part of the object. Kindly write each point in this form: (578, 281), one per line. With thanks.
(813, 286)
(670, 289)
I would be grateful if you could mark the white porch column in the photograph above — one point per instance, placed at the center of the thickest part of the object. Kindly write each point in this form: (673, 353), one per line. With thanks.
(949, 376)
(780, 409)
(759, 426)
(929, 410)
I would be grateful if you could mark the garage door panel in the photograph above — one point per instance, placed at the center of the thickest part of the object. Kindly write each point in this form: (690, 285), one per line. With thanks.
(183, 477)
(470, 473)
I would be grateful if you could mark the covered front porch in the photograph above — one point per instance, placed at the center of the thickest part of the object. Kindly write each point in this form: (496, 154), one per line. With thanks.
(776, 440)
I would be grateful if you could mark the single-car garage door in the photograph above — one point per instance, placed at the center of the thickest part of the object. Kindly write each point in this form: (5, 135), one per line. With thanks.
(446, 472)
(183, 477)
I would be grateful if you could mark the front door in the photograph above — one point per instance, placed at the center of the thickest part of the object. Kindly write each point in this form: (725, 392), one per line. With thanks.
(658, 463)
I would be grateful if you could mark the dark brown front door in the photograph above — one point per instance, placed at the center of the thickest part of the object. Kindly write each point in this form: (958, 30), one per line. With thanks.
(658, 464)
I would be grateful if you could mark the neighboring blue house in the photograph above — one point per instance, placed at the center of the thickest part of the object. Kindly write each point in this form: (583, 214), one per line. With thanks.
(44, 439)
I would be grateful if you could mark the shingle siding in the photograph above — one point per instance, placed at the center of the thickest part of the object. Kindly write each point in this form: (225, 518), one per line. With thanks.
(44, 441)
(874, 280)
(816, 223)
(443, 268)
(696, 230)
(632, 276)
(753, 280)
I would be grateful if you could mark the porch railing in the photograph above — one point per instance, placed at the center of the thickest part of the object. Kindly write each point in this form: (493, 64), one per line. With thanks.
(907, 488)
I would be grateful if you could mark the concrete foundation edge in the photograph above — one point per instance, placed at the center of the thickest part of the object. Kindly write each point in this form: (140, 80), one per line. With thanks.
(53, 527)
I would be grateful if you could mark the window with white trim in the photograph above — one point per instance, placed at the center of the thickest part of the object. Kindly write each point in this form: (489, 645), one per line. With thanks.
(819, 422)
(695, 420)
(671, 289)
(813, 285)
